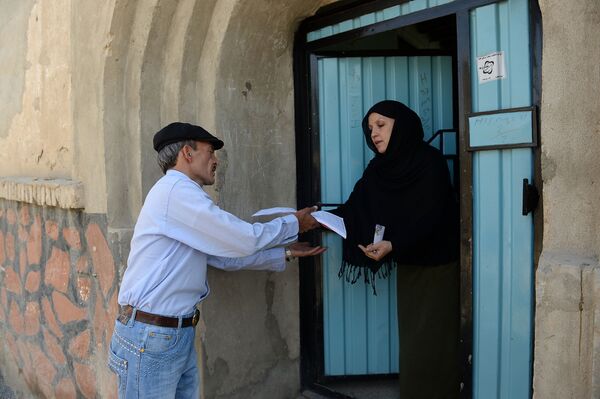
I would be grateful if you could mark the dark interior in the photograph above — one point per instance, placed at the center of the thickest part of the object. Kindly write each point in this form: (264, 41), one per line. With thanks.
(437, 35)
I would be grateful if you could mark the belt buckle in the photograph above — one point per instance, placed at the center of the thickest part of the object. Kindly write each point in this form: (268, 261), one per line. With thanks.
(196, 317)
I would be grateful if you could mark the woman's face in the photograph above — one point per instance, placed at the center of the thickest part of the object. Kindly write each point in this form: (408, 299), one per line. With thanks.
(381, 130)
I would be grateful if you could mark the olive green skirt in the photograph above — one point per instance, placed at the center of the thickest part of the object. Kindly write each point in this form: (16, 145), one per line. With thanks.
(428, 321)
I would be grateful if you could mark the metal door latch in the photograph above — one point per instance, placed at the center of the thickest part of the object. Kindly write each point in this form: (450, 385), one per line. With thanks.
(531, 197)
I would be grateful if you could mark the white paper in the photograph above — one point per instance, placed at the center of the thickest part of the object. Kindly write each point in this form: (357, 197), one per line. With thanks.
(490, 67)
(277, 211)
(331, 221)
(378, 236)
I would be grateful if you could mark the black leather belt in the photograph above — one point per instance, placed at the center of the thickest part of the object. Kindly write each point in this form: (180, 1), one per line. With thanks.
(126, 311)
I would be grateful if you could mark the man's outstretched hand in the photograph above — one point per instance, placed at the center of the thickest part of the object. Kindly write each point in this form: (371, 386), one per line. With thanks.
(300, 249)
(305, 220)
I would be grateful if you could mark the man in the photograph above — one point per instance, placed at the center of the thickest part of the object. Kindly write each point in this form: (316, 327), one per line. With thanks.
(178, 232)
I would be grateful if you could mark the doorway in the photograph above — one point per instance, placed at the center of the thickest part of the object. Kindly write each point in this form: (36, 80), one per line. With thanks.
(416, 65)
(348, 58)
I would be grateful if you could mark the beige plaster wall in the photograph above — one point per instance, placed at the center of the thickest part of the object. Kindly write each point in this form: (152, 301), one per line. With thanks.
(570, 122)
(90, 51)
(36, 127)
(53, 55)
(13, 28)
(254, 114)
(567, 325)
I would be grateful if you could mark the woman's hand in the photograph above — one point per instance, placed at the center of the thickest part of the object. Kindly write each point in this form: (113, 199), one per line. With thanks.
(300, 249)
(377, 251)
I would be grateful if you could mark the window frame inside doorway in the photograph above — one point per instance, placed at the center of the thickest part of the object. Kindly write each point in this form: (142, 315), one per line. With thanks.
(307, 159)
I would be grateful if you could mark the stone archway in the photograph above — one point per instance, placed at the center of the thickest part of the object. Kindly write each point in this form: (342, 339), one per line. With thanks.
(228, 67)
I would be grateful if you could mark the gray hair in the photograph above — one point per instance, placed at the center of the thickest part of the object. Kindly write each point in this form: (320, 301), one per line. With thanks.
(167, 156)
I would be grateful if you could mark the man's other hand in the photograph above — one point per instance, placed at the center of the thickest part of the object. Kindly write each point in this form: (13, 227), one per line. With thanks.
(300, 249)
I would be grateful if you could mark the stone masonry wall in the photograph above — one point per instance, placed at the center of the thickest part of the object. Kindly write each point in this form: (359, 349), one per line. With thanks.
(58, 289)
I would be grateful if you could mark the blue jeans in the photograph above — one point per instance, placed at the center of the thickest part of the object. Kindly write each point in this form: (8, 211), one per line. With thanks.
(154, 362)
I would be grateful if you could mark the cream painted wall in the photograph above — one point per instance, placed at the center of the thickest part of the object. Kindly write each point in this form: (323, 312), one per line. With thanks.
(14, 28)
(567, 333)
(570, 125)
(253, 112)
(90, 20)
(36, 118)
(51, 88)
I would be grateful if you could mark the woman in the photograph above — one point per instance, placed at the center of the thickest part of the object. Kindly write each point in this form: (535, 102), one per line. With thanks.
(406, 189)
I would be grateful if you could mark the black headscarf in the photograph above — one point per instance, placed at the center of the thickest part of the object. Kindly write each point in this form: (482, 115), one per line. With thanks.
(407, 189)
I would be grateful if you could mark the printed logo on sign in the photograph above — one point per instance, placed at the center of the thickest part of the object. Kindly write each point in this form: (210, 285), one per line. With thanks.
(488, 67)
(491, 67)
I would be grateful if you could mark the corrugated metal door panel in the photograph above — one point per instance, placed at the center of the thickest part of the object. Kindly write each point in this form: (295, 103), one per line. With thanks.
(360, 329)
(442, 89)
(503, 237)
(331, 176)
(379, 351)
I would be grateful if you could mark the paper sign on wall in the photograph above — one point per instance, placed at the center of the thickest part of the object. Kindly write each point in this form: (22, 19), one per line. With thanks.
(491, 67)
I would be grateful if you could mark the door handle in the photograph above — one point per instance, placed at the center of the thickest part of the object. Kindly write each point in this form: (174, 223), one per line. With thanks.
(531, 197)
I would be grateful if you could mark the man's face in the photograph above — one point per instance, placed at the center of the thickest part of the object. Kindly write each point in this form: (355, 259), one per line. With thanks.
(204, 163)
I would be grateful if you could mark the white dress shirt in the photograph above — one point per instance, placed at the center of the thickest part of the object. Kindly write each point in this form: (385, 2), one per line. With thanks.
(178, 232)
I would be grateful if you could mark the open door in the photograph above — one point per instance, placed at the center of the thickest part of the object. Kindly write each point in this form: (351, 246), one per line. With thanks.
(502, 140)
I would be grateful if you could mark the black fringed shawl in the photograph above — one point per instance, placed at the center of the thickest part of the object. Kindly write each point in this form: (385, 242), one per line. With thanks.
(407, 189)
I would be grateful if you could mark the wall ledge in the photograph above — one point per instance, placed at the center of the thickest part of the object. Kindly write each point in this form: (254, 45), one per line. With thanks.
(62, 193)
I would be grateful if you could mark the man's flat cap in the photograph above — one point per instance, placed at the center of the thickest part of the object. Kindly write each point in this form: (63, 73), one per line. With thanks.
(180, 131)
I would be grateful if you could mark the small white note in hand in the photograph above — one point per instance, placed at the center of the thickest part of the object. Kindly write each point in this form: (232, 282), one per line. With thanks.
(331, 221)
(378, 236)
(277, 211)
